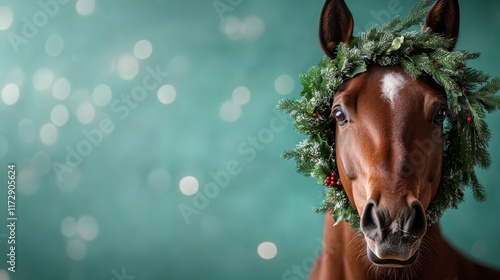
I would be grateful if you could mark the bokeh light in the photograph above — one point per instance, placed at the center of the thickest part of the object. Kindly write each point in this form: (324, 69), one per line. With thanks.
(231, 27)
(68, 227)
(85, 113)
(76, 249)
(167, 94)
(252, 27)
(102, 95)
(143, 49)
(249, 28)
(241, 95)
(6, 18)
(128, 67)
(189, 185)
(43, 79)
(85, 7)
(61, 89)
(59, 115)
(48, 134)
(230, 111)
(10, 94)
(54, 45)
(267, 250)
(284, 84)
(87, 227)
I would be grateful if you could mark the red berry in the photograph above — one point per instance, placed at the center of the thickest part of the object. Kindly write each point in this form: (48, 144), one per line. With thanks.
(315, 115)
(436, 64)
(464, 90)
(339, 183)
(469, 119)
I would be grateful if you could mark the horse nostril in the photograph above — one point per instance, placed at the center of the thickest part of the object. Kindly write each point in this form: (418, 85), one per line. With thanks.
(370, 221)
(417, 224)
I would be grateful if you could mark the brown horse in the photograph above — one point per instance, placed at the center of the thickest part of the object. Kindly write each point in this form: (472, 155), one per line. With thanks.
(383, 118)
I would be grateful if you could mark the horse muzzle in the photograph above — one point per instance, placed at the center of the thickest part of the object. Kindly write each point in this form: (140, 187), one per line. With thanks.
(393, 242)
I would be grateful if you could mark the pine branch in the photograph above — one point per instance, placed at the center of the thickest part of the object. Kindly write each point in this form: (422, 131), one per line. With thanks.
(416, 16)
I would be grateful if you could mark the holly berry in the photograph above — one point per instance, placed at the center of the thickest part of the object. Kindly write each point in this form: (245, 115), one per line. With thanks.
(464, 90)
(469, 119)
(315, 115)
(328, 181)
(436, 64)
(331, 180)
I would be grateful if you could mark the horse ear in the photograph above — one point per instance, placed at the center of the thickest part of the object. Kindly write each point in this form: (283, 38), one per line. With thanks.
(336, 26)
(444, 18)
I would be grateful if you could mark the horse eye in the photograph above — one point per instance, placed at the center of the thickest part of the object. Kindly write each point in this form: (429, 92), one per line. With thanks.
(340, 116)
(440, 115)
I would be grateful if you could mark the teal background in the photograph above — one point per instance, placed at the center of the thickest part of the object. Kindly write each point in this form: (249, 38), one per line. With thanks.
(116, 214)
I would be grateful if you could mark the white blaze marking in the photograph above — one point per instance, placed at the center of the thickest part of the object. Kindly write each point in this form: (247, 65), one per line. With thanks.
(391, 84)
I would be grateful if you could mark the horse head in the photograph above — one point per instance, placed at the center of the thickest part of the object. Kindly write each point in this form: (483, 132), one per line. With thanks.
(389, 140)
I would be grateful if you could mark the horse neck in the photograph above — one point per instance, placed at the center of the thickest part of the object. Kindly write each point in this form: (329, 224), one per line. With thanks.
(344, 257)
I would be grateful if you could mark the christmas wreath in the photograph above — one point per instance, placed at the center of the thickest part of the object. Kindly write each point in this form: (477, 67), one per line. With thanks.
(471, 93)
